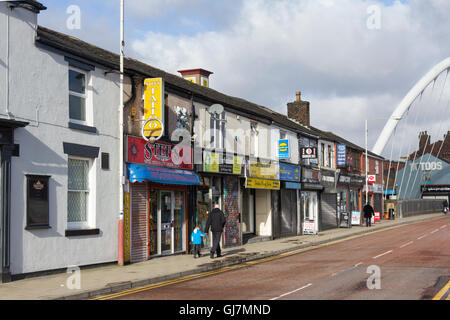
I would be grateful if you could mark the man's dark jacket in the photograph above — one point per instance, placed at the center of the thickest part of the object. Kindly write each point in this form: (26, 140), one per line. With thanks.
(216, 220)
(368, 211)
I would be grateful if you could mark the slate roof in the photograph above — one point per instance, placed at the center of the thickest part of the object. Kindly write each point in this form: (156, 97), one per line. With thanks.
(30, 4)
(111, 60)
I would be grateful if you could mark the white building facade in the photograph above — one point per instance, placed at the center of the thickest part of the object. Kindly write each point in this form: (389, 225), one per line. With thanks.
(60, 188)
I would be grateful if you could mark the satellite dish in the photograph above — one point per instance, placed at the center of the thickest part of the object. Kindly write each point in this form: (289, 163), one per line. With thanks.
(216, 108)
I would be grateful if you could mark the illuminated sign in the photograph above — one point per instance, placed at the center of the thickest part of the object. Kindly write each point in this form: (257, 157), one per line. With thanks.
(283, 149)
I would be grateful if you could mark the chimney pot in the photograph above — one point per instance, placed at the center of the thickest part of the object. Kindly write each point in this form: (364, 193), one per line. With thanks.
(299, 95)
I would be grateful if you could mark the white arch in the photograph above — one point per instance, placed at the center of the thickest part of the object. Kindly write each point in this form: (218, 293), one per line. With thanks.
(406, 103)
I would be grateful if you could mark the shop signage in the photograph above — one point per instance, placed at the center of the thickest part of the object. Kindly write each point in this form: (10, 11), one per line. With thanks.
(308, 227)
(289, 172)
(261, 170)
(356, 218)
(283, 149)
(310, 175)
(213, 162)
(427, 166)
(308, 152)
(357, 181)
(126, 227)
(344, 179)
(371, 178)
(436, 188)
(253, 183)
(341, 155)
(159, 154)
(154, 105)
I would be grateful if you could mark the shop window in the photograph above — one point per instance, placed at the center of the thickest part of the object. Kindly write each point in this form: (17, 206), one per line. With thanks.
(78, 193)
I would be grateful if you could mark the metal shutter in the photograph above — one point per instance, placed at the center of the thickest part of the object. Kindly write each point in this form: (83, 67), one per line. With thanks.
(288, 212)
(139, 233)
(328, 216)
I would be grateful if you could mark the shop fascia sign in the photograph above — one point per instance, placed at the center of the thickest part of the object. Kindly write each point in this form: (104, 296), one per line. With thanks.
(263, 170)
(427, 166)
(216, 162)
(159, 154)
(290, 172)
(341, 155)
(254, 183)
(436, 188)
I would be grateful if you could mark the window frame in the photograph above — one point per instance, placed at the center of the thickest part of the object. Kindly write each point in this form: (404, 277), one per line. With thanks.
(89, 223)
(86, 96)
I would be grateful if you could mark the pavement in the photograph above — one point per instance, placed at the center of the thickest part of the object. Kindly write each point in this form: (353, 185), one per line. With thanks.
(103, 280)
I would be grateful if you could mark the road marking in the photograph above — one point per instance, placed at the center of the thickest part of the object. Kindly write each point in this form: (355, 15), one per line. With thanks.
(293, 291)
(358, 264)
(380, 255)
(406, 244)
(422, 237)
(441, 292)
(443, 227)
(434, 231)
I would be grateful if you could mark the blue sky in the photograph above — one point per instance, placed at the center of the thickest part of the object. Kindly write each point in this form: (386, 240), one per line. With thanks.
(323, 48)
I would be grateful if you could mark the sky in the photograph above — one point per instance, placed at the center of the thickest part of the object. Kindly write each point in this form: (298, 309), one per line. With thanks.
(352, 59)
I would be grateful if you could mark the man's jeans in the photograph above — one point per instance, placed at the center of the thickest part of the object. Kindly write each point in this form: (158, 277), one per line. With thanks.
(368, 222)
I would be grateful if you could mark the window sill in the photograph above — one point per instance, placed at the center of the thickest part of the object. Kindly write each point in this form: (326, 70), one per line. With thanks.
(82, 232)
(82, 127)
(37, 227)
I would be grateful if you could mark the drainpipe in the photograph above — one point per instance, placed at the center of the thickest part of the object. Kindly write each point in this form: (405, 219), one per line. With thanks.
(7, 67)
(121, 164)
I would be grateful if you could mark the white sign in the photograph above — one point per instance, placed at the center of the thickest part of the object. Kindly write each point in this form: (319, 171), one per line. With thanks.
(308, 228)
(356, 218)
(371, 178)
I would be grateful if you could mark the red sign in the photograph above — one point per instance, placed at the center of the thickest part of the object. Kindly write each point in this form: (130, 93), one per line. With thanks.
(371, 178)
(377, 217)
(159, 154)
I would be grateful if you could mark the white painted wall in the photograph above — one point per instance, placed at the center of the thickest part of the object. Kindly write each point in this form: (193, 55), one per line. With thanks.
(39, 79)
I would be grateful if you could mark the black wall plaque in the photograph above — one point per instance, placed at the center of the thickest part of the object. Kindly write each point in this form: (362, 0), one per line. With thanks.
(37, 202)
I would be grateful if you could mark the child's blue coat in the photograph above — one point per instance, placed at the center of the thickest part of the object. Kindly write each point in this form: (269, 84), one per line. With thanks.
(196, 237)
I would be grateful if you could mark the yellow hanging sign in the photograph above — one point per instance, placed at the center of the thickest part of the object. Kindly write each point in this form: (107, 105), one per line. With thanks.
(153, 105)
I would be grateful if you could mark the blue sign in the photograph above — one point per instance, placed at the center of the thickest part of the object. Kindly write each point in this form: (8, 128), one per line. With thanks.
(283, 149)
(341, 155)
(289, 172)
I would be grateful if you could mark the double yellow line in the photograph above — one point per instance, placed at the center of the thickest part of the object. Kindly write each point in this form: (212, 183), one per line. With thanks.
(243, 265)
(442, 292)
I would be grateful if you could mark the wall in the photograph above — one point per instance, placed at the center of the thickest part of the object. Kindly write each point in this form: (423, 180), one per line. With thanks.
(39, 79)
(414, 207)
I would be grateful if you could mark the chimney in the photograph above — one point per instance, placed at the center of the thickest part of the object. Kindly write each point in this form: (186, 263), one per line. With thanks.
(198, 76)
(424, 140)
(299, 110)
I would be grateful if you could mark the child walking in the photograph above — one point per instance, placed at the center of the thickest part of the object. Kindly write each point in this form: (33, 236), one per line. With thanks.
(196, 238)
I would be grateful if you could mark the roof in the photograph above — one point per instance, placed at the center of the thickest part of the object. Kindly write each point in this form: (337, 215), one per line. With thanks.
(109, 59)
(32, 5)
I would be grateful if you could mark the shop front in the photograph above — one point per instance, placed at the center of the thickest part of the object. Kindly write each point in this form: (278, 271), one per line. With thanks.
(160, 190)
(356, 187)
(309, 200)
(262, 179)
(343, 196)
(219, 184)
(329, 217)
(286, 209)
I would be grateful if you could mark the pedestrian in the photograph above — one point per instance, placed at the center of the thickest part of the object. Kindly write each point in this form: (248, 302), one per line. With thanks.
(196, 238)
(445, 205)
(368, 213)
(216, 220)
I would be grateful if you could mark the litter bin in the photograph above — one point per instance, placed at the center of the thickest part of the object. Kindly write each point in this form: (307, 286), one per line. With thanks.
(391, 214)
(345, 220)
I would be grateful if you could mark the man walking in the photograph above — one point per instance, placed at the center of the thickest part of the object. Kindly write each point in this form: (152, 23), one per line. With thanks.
(216, 220)
(368, 213)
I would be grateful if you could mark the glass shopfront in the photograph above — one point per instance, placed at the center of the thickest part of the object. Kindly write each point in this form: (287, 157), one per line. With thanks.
(309, 211)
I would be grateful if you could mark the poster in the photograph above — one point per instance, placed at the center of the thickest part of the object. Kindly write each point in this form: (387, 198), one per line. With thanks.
(356, 218)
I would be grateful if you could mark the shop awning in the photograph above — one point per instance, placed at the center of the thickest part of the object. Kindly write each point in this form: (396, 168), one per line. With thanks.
(142, 173)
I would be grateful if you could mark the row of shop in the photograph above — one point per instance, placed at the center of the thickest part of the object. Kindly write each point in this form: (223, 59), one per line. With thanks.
(265, 199)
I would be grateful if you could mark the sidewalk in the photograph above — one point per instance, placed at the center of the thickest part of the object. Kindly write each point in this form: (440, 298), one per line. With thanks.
(113, 278)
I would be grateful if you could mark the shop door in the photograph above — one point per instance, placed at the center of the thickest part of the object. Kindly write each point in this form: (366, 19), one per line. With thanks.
(166, 222)
(288, 212)
(172, 226)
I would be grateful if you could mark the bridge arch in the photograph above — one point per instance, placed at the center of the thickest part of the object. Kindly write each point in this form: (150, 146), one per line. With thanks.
(404, 105)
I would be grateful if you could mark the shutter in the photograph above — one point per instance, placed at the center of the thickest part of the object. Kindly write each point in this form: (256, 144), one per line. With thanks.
(288, 212)
(377, 203)
(139, 232)
(328, 216)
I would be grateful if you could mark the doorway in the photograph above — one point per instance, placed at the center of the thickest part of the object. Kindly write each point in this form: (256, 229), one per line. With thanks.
(167, 235)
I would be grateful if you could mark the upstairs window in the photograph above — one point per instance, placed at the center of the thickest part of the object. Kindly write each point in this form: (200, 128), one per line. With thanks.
(77, 96)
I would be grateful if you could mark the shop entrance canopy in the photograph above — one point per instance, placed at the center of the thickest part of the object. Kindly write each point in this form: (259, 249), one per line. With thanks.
(142, 173)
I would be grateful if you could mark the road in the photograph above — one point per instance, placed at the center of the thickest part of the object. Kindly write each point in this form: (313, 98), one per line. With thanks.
(409, 262)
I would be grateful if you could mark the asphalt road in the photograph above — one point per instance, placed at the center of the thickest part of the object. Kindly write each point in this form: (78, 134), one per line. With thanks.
(409, 262)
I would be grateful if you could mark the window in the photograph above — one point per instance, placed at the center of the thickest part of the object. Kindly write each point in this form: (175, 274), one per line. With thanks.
(330, 157)
(254, 139)
(217, 126)
(77, 96)
(322, 154)
(377, 170)
(78, 192)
